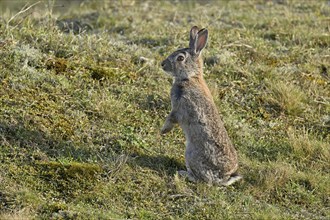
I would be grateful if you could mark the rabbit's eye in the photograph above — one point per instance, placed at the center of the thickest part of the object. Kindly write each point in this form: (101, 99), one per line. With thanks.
(180, 58)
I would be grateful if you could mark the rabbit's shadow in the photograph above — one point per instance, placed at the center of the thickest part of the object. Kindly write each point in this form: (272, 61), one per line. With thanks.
(159, 163)
(39, 146)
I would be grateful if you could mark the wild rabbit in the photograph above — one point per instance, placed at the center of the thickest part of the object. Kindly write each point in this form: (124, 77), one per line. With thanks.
(210, 156)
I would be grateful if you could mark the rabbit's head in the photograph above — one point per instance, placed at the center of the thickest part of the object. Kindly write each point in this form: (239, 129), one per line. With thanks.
(186, 63)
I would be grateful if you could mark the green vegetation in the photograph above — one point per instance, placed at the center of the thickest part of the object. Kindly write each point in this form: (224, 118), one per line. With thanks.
(82, 100)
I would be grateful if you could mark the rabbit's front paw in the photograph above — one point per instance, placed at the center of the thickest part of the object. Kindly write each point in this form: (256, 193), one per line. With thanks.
(165, 129)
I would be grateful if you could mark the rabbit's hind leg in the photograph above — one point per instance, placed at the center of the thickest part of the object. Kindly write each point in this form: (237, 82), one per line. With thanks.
(187, 174)
(232, 179)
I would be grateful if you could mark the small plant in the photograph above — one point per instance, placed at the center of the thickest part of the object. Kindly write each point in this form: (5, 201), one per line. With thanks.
(288, 96)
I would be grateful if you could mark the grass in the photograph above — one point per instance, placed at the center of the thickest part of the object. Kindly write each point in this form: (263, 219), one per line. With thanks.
(82, 100)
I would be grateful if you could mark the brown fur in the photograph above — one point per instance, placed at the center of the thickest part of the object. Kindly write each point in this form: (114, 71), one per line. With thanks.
(210, 155)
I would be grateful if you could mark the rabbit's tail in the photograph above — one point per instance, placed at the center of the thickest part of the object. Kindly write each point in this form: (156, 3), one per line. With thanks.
(232, 179)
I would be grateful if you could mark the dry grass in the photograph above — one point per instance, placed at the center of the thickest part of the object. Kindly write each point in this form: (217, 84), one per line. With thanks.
(82, 99)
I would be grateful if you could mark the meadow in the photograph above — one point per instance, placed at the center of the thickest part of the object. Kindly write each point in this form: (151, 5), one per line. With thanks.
(83, 99)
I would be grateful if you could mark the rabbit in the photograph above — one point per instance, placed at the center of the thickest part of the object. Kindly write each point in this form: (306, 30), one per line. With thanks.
(210, 155)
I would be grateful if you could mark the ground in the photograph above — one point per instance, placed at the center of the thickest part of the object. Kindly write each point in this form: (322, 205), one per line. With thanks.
(83, 99)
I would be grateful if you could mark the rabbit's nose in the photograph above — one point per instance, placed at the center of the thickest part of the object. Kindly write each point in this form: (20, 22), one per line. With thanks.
(163, 63)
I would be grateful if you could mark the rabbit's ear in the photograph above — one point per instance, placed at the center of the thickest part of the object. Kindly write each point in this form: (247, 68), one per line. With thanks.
(201, 40)
(193, 35)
